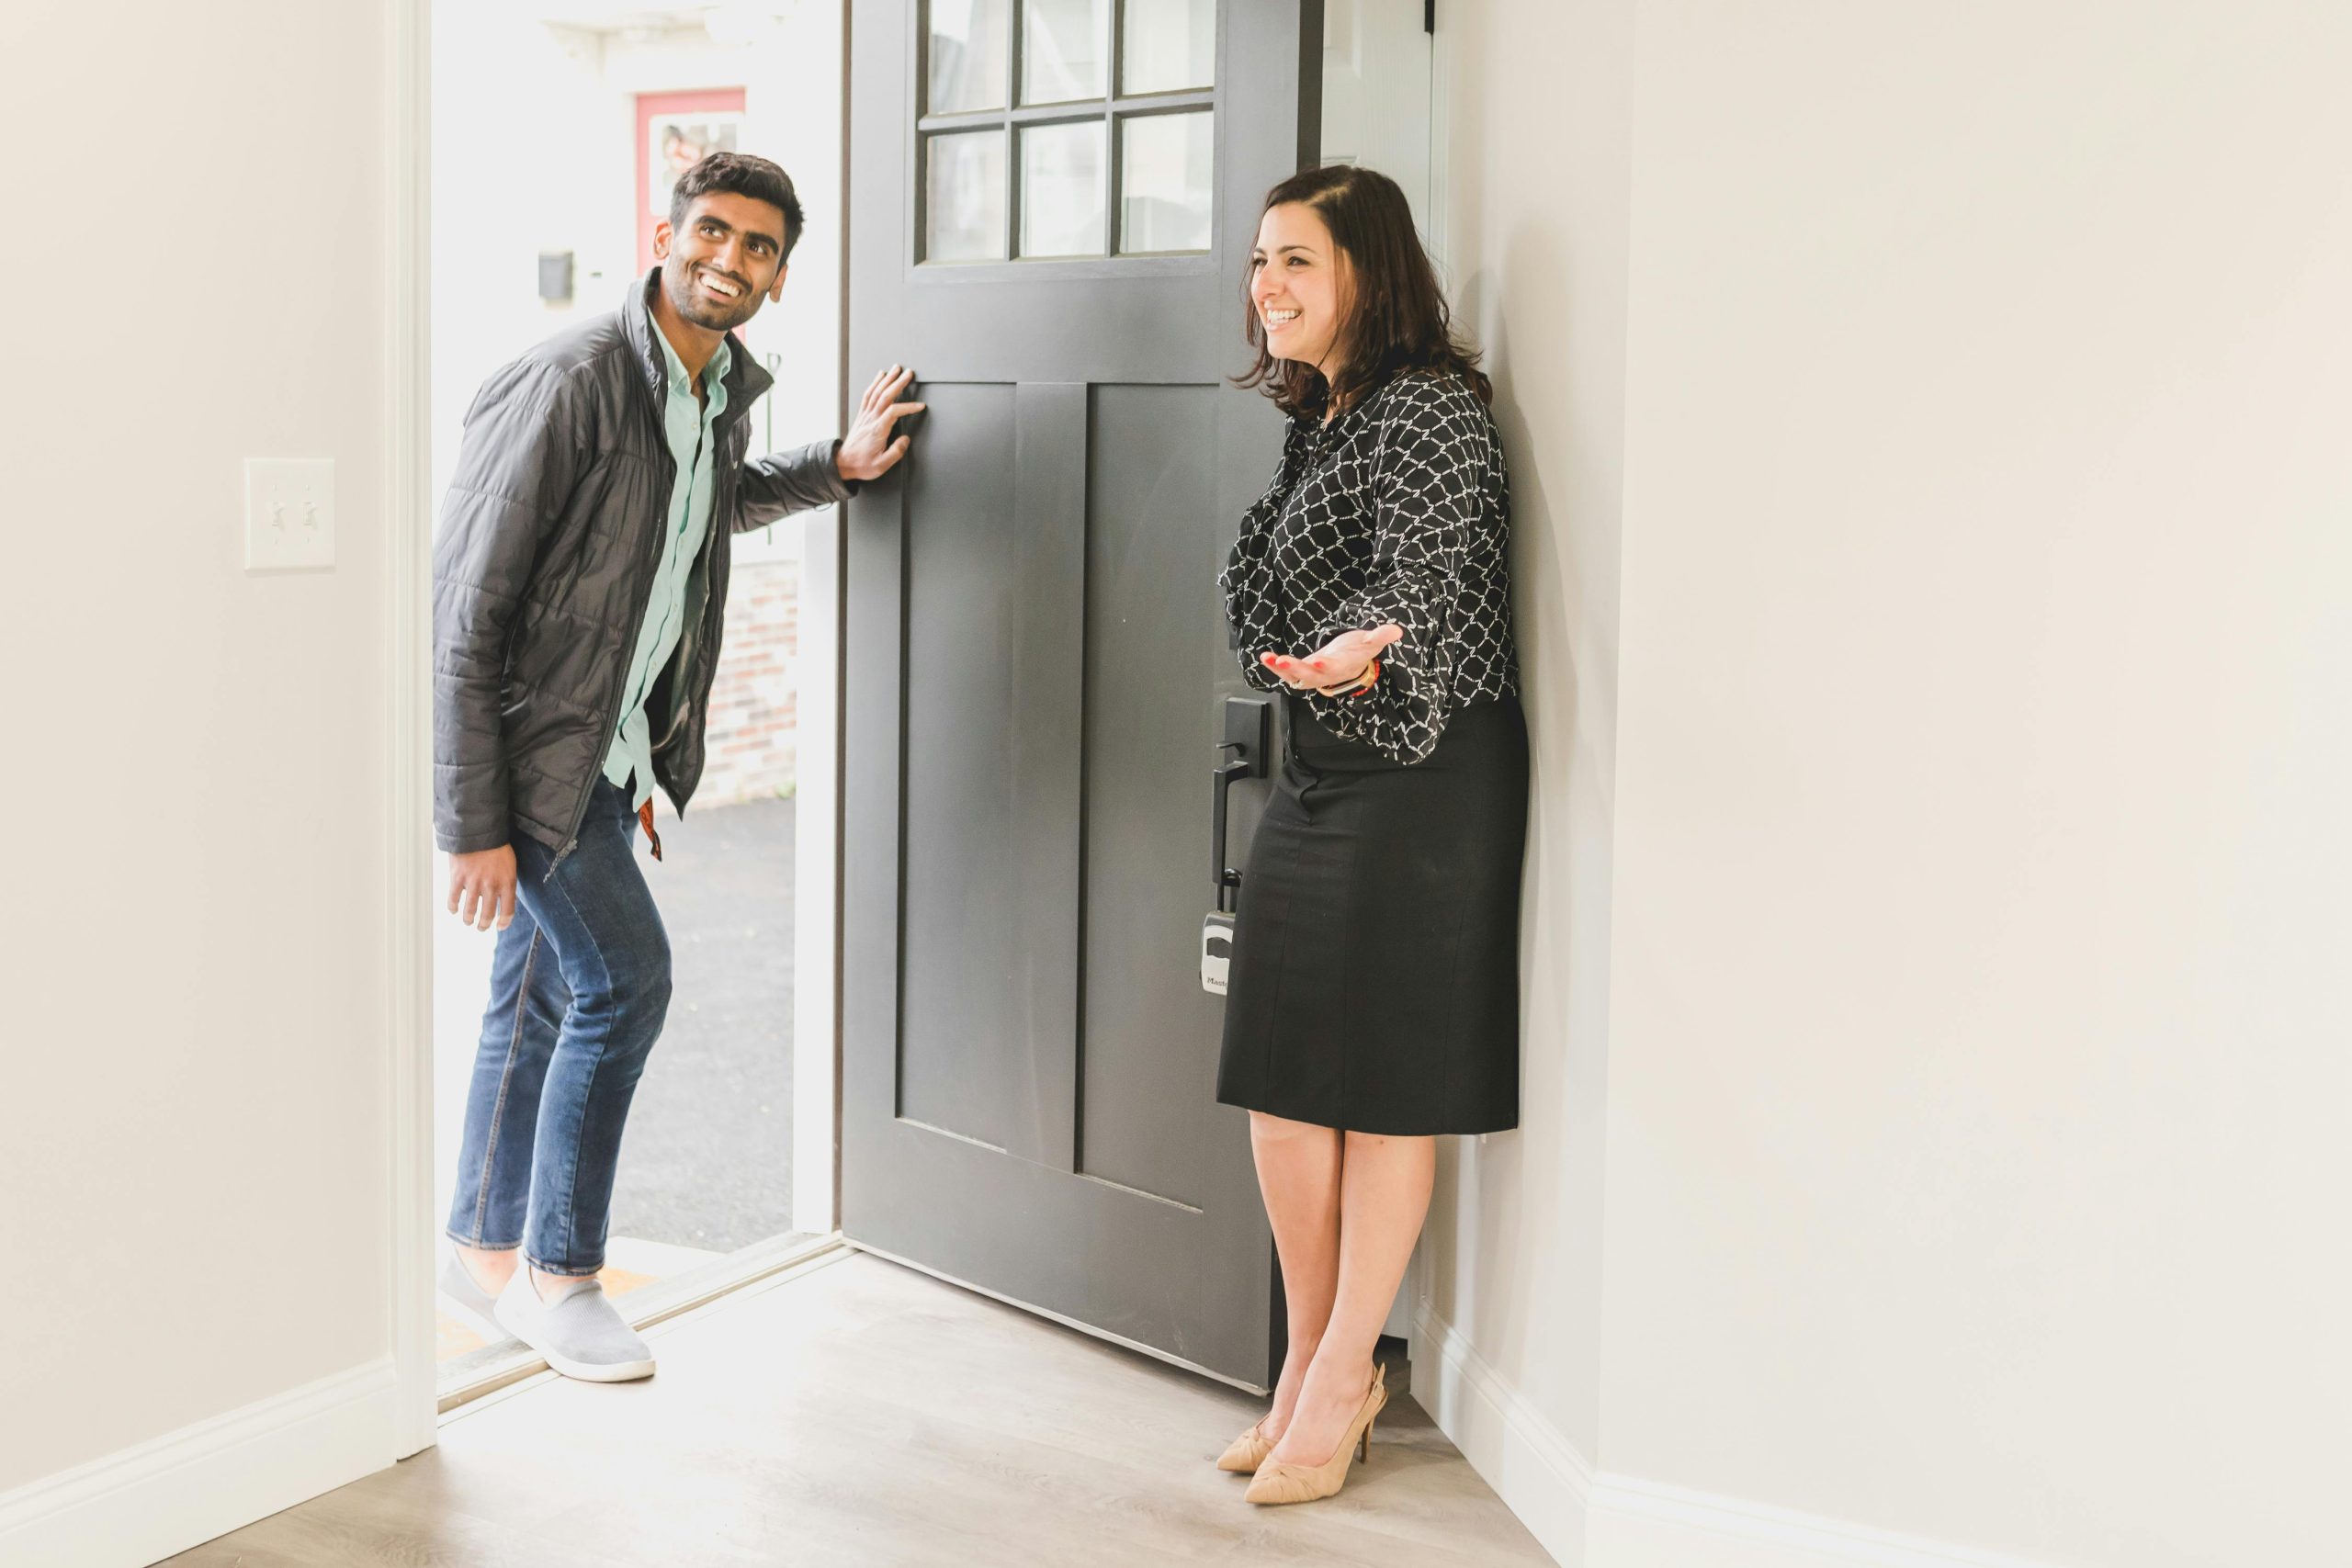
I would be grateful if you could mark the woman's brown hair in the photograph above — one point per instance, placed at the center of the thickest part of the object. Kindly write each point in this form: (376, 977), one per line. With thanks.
(1395, 315)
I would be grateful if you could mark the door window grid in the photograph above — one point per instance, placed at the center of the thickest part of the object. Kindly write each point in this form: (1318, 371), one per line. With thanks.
(1041, 174)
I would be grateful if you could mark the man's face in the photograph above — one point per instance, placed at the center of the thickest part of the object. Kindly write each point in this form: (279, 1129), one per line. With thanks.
(725, 258)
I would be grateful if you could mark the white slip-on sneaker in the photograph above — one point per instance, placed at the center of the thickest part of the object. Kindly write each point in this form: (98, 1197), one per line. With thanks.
(577, 1328)
(477, 1306)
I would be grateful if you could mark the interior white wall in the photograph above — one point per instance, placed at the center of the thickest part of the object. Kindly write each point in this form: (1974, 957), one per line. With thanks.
(1376, 83)
(1534, 240)
(194, 1191)
(1959, 1042)
(1977, 1075)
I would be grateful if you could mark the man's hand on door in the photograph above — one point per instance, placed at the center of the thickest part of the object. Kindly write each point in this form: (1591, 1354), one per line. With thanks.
(867, 452)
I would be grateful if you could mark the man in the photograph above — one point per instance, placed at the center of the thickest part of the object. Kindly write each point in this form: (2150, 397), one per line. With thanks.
(578, 582)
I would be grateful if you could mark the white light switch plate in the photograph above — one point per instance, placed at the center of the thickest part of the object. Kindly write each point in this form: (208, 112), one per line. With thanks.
(289, 513)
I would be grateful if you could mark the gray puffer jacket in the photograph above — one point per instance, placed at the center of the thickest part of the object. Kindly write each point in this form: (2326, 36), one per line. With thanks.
(549, 539)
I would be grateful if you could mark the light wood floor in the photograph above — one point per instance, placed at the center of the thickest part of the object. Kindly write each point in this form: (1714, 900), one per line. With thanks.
(865, 1415)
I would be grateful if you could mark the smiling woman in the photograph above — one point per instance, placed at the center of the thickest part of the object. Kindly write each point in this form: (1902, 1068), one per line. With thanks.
(1372, 994)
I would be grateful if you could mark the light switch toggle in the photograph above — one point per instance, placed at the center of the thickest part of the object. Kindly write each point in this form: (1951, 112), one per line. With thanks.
(289, 513)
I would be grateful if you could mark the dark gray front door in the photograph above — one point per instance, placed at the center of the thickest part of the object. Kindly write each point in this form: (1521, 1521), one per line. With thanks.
(1052, 202)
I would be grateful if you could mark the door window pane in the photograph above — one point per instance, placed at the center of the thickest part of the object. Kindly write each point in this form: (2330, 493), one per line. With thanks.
(969, 45)
(964, 197)
(1170, 45)
(1062, 47)
(1061, 190)
(1164, 181)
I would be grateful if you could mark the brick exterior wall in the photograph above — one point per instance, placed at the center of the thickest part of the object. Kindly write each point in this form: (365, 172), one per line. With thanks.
(754, 700)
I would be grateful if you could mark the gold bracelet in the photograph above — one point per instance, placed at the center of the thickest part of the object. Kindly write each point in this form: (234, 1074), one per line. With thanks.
(1362, 683)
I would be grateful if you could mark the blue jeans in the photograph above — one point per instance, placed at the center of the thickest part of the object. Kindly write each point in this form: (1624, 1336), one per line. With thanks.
(578, 989)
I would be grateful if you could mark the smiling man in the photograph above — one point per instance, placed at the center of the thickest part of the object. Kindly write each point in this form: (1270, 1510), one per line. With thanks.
(579, 579)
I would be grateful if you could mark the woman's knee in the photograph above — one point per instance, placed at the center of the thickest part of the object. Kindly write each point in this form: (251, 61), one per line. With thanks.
(1399, 1143)
(1266, 1127)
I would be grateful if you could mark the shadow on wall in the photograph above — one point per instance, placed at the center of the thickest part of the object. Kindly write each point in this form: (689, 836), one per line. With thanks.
(1524, 1209)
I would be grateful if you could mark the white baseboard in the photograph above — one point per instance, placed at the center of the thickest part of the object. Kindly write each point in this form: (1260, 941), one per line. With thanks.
(1646, 1524)
(1590, 1518)
(180, 1490)
(1534, 1470)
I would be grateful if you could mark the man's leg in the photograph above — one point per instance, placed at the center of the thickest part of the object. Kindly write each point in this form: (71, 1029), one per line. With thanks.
(597, 921)
(528, 1001)
(599, 917)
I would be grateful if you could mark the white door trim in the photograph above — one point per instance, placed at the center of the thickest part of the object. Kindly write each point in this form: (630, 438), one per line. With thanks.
(1438, 241)
(816, 894)
(408, 535)
(816, 852)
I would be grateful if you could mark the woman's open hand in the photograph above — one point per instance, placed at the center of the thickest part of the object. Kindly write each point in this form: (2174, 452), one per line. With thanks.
(1342, 662)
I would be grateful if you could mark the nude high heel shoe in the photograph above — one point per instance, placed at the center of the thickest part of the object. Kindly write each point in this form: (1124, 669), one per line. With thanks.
(1277, 1482)
(1247, 1451)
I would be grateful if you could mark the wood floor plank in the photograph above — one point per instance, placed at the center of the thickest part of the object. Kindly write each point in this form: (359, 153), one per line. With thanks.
(865, 1415)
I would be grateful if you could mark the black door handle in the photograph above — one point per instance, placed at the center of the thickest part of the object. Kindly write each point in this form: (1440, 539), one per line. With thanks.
(1246, 729)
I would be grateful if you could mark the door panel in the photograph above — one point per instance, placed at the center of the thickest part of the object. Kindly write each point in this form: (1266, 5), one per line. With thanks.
(1153, 610)
(1035, 666)
(992, 780)
(962, 793)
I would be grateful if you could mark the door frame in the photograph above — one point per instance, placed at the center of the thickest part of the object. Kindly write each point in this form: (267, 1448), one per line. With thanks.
(412, 862)
(408, 399)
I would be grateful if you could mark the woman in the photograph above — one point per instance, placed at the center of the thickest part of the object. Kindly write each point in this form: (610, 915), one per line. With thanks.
(1373, 998)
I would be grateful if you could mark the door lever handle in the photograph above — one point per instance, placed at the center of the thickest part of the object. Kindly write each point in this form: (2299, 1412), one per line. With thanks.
(1245, 735)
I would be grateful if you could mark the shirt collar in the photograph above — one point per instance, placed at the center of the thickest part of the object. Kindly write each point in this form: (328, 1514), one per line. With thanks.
(712, 374)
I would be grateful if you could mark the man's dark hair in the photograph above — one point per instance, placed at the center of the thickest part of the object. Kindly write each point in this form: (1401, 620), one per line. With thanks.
(739, 174)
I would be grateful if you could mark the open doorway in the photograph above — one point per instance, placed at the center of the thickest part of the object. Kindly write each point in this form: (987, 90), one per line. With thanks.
(559, 126)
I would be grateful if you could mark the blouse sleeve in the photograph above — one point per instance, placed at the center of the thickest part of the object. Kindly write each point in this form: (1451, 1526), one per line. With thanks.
(1428, 478)
(1252, 614)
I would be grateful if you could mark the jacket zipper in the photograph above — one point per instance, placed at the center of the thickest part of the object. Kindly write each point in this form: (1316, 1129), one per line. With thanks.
(711, 541)
(687, 652)
(611, 710)
(721, 494)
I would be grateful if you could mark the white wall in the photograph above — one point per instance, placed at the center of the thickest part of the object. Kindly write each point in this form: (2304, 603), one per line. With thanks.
(1978, 1077)
(1534, 235)
(193, 1192)
(1970, 1072)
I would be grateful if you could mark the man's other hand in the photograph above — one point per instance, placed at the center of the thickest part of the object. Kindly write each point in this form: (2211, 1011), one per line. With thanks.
(481, 888)
(867, 452)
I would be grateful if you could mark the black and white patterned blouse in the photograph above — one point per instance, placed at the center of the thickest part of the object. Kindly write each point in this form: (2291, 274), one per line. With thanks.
(1399, 510)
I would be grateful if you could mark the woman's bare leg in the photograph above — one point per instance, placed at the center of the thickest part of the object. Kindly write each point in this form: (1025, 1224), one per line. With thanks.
(1383, 1196)
(1298, 1172)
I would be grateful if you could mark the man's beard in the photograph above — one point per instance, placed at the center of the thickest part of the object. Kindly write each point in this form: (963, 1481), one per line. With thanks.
(703, 311)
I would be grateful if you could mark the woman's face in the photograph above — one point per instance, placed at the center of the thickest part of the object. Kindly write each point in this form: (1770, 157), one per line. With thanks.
(1296, 282)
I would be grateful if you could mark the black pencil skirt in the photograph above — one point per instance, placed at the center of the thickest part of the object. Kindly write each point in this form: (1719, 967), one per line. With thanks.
(1374, 979)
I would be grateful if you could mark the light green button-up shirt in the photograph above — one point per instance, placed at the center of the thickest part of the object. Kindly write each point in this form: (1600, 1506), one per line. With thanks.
(690, 429)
